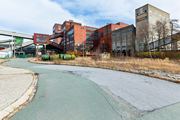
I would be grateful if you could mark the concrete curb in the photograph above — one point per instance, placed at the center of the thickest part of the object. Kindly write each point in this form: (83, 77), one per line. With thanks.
(27, 97)
(153, 74)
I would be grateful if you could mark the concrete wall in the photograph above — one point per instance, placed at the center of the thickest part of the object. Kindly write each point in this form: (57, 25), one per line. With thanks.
(123, 40)
(105, 36)
(146, 17)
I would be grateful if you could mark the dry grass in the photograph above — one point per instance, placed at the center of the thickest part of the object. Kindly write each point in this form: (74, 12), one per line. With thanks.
(1, 61)
(127, 64)
(151, 64)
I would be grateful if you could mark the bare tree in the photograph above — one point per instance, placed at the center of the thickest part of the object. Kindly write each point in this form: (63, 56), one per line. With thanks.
(152, 39)
(162, 31)
(144, 35)
(166, 30)
(174, 29)
(158, 30)
(152, 36)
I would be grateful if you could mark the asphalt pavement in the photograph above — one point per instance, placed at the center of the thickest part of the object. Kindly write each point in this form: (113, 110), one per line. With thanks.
(81, 93)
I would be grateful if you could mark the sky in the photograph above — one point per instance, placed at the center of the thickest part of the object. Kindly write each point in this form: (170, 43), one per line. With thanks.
(39, 16)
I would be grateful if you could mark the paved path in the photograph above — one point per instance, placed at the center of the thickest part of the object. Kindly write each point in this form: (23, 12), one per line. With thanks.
(145, 93)
(13, 84)
(70, 93)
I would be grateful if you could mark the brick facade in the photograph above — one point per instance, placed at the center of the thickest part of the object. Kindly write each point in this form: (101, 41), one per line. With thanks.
(57, 28)
(78, 37)
(103, 41)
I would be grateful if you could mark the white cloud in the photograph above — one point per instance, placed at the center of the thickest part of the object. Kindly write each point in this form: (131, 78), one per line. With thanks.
(40, 15)
(31, 15)
(120, 10)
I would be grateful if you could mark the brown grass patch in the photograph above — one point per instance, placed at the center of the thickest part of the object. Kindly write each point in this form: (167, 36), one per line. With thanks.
(127, 64)
(1, 61)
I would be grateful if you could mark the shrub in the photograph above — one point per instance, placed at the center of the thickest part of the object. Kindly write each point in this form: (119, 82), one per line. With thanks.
(45, 57)
(67, 56)
(54, 57)
(162, 55)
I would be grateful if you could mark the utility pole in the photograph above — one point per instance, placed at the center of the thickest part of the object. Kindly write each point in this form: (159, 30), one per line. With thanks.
(9, 44)
(37, 50)
(13, 46)
(12, 43)
(83, 49)
(45, 48)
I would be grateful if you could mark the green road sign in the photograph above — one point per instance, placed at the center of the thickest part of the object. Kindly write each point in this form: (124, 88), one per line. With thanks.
(18, 40)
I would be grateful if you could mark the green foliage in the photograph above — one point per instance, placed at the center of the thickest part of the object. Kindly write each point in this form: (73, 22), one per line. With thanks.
(73, 57)
(62, 57)
(54, 57)
(67, 57)
(45, 57)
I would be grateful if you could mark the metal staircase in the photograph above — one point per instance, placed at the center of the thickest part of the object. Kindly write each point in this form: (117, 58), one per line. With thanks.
(25, 44)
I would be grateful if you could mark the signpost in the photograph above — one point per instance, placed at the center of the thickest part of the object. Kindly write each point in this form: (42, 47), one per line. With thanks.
(41, 39)
(18, 41)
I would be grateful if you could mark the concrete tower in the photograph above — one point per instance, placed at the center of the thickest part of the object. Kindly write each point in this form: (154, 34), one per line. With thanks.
(146, 18)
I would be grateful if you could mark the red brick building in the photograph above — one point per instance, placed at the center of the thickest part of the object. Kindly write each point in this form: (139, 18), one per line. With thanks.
(77, 37)
(57, 28)
(90, 38)
(103, 42)
(71, 35)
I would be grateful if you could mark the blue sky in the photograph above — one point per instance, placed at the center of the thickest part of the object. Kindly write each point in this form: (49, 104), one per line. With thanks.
(30, 16)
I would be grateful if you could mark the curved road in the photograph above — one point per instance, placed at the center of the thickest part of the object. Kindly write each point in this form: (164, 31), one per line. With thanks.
(80, 93)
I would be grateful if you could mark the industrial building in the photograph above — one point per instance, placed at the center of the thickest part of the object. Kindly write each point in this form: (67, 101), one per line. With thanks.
(79, 38)
(147, 17)
(90, 38)
(103, 36)
(76, 37)
(73, 35)
(119, 38)
(123, 41)
(57, 28)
